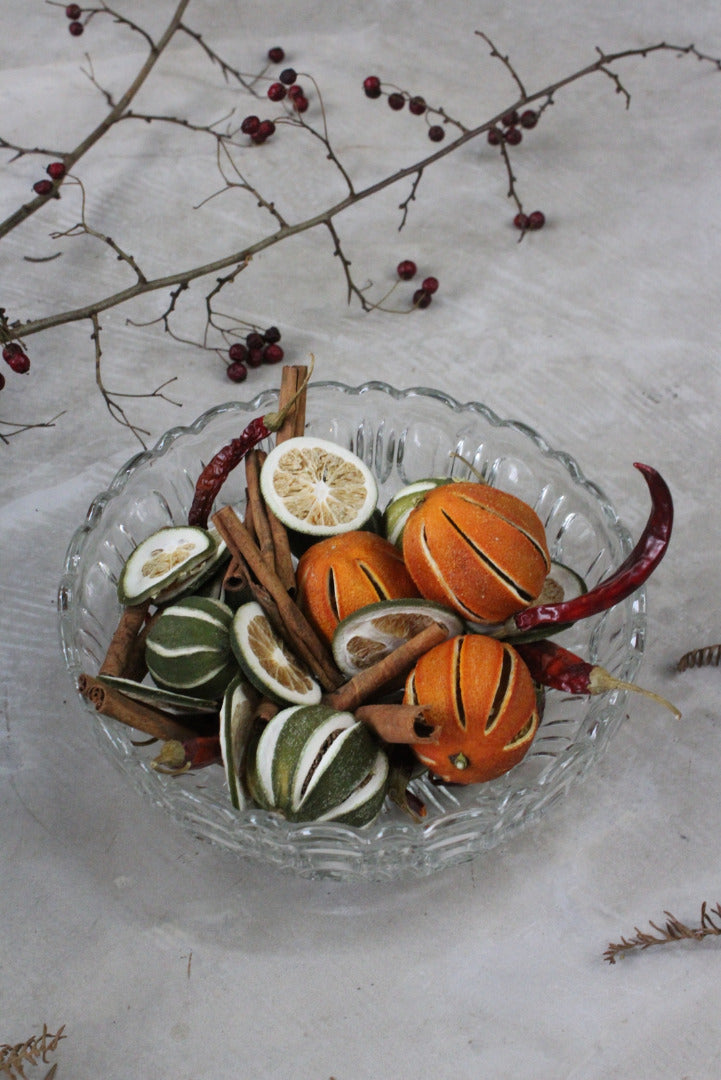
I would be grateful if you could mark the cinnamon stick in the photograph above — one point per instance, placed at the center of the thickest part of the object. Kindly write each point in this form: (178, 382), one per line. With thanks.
(122, 644)
(409, 724)
(255, 504)
(111, 702)
(240, 544)
(292, 376)
(386, 671)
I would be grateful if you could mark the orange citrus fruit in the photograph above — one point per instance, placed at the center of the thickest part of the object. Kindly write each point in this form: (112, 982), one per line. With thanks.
(340, 574)
(479, 550)
(481, 695)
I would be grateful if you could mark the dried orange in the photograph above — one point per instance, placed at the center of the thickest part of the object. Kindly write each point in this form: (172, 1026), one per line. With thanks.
(481, 695)
(340, 574)
(480, 550)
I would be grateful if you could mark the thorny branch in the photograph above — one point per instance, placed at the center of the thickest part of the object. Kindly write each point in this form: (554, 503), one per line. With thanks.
(672, 930)
(226, 268)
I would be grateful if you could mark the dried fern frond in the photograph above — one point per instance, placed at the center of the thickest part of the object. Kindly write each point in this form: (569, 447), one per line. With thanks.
(673, 930)
(707, 656)
(14, 1059)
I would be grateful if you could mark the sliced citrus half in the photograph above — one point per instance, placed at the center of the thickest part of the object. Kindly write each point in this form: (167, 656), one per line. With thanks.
(373, 631)
(237, 714)
(159, 560)
(318, 487)
(267, 661)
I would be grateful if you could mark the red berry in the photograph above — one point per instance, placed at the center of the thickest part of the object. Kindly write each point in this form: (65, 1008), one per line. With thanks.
(509, 119)
(436, 133)
(2, 381)
(513, 136)
(237, 371)
(536, 220)
(276, 91)
(266, 128)
(396, 101)
(288, 76)
(529, 119)
(273, 354)
(495, 137)
(521, 221)
(250, 125)
(56, 170)
(296, 91)
(276, 55)
(421, 298)
(417, 105)
(255, 358)
(372, 86)
(430, 285)
(300, 103)
(272, 335)
(73, 11)
(406, 269)
(254, 340)
(76, 28)
(16, 358)
(43, 187)
(237, 351)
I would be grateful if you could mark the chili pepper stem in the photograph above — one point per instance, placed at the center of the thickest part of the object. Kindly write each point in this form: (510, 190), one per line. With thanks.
(601, 681)
(275, 420)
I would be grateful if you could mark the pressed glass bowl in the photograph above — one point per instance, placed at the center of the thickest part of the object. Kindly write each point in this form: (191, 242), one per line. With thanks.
(403, 435)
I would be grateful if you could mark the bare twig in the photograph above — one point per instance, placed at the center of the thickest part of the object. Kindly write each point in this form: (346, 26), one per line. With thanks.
(672, 930)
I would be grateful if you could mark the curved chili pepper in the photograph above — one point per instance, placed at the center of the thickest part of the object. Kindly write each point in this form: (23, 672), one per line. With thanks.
(222, 464)
(550, 664)
(631, 574)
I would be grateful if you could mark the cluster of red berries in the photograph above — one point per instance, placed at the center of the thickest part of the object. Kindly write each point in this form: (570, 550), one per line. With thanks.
(74, 12)
(16, 359)
(287, 86)
(511, 124)
(534, 220)
(259, 130)
(372, 88)
(258, 349)
(56, 171)
(422, 297)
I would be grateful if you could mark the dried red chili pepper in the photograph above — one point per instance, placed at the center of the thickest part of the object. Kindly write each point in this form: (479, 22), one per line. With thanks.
(631, 574)
(196, 753)
(222, 464)
(554, 666)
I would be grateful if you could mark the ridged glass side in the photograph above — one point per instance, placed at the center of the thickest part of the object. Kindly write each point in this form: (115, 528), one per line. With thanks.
(404, 435)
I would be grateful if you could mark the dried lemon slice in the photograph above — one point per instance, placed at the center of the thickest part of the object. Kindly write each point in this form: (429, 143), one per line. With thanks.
(318, 487)
(267, 661)
(373, 631)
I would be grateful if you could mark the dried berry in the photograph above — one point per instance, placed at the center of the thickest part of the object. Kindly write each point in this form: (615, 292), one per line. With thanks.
(406, 269)
(521, 221)
(421, 298)
(417, 105)
(56, 170)
(271, 335)
(254, 340)
(509, 119)
(288, 76)
(430, 285)
(436, 133)
(513, 136)
(495, 137)
(273, 354)
(276, 91)
(237, 371)
(43, 187)
(250, 125)
(300, 103)
(372, 86)
(396, 101)
(73, 11)
(536, 220)
(529, 119)
(276, 55)
(237, 352)
(76, 28)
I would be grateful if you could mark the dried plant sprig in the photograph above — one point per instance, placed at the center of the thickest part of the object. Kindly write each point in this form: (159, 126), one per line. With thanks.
(706, 656)
(15, 1058)
(672, 930)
